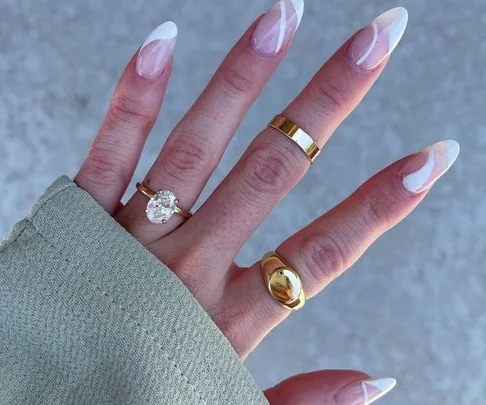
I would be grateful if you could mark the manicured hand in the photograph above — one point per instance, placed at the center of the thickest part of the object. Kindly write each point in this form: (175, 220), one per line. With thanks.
(201, 250)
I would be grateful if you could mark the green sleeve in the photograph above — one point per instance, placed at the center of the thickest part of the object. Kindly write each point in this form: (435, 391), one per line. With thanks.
(89, 316)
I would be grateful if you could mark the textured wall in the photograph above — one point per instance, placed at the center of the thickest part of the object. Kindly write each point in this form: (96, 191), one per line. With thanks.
(414, 306)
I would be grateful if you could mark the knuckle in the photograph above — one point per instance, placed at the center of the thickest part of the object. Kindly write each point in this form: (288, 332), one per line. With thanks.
(332, 96)
(266, 171)
(236, 84)
(324, 257)
(377, 212)
(184, 160)
(130, 112)
(103, 168)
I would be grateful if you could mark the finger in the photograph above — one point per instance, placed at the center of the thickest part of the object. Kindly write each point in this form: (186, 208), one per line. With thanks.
(273, 163)
(332, 243)
(196, 145)
(115, 151)
(330, 387)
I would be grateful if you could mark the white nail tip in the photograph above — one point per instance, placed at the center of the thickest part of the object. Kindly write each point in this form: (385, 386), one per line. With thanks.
(453, 149)
(388, 29)
(383, 385)
(400, 20)
(167, 30)
(285, 14)
(442, 156)
(299, 9)
(283, 25)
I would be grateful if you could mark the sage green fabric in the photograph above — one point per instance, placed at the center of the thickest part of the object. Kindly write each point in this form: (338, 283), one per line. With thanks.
(89, 316)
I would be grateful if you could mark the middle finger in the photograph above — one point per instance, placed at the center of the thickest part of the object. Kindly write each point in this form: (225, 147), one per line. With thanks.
(273, 164)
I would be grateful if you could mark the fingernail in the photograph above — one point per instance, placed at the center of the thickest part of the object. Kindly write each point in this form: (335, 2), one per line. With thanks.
(425, 168)
(378, 40)
(277, 27)
(364, 392)
(155, 53)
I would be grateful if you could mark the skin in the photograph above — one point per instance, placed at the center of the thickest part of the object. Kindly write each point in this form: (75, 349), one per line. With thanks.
(201, 250)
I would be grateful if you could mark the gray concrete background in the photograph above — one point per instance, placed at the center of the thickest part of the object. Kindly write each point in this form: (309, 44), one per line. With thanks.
(414, 305)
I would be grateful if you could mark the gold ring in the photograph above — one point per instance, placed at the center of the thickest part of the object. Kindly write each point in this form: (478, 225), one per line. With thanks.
(282, 281)
(299, 136)
(162, 205)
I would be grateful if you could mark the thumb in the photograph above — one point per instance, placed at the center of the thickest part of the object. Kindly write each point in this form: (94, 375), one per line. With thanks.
(330, 387)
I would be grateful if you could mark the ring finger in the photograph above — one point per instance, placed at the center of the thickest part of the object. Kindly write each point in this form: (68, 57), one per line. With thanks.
(332, 243)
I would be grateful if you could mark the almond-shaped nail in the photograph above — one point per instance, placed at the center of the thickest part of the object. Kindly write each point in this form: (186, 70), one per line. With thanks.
(156, 51)
(378, 40)
(364, 392)
(277, 27)
(424, 168)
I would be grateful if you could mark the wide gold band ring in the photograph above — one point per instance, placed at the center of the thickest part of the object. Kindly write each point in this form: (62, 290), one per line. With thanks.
(162, 205)
(282, 281)
(294, 132)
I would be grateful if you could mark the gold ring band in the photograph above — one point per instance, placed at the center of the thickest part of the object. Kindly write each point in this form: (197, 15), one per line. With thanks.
(282, 281)
(162, 205)
(299, 136)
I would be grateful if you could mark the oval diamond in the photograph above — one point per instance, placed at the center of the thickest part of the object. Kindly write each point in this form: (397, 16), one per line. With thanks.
(161, 207)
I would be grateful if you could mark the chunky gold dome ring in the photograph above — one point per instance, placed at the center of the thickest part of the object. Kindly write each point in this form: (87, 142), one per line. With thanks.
(282, 281)
(162, 205)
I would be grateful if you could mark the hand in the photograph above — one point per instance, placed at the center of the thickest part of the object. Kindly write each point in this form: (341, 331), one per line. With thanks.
(201, 250)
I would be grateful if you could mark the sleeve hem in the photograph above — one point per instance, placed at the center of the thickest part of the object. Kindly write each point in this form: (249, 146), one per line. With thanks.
(142, 293)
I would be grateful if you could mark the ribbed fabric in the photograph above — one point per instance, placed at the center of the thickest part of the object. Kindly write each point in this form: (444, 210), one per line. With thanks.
(89, 316)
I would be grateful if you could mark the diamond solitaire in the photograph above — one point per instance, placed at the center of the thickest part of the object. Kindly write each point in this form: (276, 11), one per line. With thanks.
(162, 205)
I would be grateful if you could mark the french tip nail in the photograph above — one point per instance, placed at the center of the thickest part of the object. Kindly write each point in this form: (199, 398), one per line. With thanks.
(421, 173)
(364, 392)
(171, 27)
(156, 51)
(383, 384)
(299, 9)
(377, 388)
(277, 27)
(397, 19)
(378, 40)
(165, 31)
(453, 149)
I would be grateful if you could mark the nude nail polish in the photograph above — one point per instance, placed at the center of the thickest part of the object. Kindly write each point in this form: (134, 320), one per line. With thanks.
(378, 40)
(364, 392)
(277, 27)
(156, 51)
(423, 169)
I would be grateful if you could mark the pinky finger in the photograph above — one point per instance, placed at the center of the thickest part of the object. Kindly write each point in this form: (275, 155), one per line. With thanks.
(332, 243)
(330, 387)
(134, 108)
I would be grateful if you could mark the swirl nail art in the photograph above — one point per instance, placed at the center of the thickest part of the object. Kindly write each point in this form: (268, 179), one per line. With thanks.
(378, 40)
(277, 27)
(422, 170)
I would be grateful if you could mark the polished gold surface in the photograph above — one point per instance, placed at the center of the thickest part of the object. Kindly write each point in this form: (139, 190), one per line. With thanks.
(184, 213)
(282, 281)
(294, 132)
(145, 190)
(151, 194)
